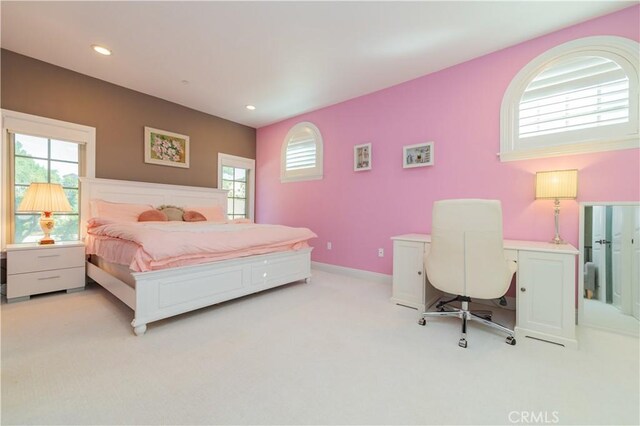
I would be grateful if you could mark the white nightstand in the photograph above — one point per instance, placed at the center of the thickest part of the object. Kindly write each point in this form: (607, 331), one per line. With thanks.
(34, 269)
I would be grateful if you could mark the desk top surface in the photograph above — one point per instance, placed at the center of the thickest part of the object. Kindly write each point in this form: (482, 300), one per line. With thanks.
(508, 244)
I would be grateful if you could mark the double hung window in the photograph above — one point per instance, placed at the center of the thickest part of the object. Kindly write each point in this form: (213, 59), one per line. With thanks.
(38, 159)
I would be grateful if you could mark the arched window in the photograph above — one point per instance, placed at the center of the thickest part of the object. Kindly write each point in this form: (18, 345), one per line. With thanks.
(302, 153)
(579, 97)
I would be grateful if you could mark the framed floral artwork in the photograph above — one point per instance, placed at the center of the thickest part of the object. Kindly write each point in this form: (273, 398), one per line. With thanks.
(418, 155)
(362, 157)
(166, 148)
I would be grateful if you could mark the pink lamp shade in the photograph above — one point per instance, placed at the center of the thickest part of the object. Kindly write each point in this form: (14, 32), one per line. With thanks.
(45, 198)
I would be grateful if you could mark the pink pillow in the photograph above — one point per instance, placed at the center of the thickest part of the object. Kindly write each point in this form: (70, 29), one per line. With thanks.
(212, 213)
(152, 216)
(193, 216)
(118, 212)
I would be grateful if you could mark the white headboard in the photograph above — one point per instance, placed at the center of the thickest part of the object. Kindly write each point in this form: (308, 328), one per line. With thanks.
(156, 194)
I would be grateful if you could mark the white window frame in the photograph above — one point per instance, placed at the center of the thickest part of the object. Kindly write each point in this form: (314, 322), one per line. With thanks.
(609, 138)
(244, 163)
(18, 122)
(314, 173)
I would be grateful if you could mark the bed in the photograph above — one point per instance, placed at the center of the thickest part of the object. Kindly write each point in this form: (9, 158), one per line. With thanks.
(157, 294)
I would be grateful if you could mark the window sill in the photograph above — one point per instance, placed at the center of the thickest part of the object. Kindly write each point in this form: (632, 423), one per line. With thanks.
(632, 142)
(299, 178)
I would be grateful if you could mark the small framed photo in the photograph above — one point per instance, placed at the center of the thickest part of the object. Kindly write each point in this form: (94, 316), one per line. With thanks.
(166, 148)
(362, 157)
(418, 155)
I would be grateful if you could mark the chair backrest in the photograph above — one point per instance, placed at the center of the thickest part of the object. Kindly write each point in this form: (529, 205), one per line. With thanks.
(466, 256)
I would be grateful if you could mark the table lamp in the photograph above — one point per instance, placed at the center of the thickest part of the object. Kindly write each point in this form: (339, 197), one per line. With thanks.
(557, 185)
(45, 198)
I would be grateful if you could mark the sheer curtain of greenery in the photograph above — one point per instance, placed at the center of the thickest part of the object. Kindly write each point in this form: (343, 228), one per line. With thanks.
(38, 159)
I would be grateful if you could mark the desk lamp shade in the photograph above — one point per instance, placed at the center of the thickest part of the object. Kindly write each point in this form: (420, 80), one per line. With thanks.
(45, 198)
(557, 185)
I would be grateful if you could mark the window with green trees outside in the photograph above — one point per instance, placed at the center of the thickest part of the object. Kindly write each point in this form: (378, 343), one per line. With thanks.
(234, 180)
(38, 159)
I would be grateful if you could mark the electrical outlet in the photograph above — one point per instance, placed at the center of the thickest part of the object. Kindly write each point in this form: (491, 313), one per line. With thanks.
(380, 252)
(329, 245)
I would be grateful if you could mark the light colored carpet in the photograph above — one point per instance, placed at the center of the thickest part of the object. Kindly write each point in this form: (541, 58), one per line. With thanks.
(335, 351)
(607, 316)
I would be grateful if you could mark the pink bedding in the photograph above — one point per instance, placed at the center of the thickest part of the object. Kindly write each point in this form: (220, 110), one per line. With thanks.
(148, 246)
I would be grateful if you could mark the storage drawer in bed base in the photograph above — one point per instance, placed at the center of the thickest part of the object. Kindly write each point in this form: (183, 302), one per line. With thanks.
(165, 293)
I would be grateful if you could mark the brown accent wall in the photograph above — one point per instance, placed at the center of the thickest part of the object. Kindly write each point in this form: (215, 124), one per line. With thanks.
(119, 116)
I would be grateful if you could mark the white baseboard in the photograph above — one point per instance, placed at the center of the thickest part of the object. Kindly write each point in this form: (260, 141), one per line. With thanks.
(351, 272)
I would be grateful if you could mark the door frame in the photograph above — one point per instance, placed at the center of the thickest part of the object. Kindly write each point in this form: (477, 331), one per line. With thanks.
(582, 205)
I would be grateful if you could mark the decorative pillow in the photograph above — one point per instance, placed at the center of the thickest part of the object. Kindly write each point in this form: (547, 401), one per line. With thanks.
(212, 213)
(193, 216)
(118, 212)
(172, 212)
(152, 216)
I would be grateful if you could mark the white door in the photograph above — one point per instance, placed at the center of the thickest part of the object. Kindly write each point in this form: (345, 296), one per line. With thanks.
(599, 250)
(635, 263)
(621, 257)
(617, 225)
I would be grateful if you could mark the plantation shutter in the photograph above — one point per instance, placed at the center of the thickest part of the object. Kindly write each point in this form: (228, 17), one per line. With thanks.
(301, 152)
(578, 93)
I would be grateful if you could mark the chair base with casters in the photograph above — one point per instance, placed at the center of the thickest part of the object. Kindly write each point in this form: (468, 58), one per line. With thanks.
(484, 314)
(465, 315)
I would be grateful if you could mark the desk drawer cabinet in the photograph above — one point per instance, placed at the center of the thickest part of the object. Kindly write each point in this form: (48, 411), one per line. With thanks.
(546, 296)
(410, 284)
(34, 269)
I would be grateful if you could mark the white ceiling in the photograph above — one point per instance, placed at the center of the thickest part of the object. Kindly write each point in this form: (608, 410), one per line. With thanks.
(285, 58)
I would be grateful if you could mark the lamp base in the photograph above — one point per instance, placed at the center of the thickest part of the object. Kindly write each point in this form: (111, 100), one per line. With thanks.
(46, 224)
(556, 216)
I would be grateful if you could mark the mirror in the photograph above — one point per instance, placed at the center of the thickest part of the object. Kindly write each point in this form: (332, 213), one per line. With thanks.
(609, 269)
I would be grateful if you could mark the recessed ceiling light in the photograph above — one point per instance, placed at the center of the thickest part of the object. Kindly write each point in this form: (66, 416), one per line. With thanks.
(101, 50)
(185, 82)
(250, 107)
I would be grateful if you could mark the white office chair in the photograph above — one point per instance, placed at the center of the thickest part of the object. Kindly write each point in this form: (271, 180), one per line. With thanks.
(467, 259)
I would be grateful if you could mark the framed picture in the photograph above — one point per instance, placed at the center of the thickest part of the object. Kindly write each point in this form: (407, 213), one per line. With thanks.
(362, 157)
(166, 148)
(418, 155)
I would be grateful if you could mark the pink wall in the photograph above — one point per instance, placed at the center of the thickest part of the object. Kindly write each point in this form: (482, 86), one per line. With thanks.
(459, 109)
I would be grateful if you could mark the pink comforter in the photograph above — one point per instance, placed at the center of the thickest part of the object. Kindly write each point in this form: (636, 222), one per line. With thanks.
(146, 246)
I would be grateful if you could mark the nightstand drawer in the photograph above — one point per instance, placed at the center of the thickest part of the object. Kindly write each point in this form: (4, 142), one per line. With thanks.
(22, 261)
(43, 282)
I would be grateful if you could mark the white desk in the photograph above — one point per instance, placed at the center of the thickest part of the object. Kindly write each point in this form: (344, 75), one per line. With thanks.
(545, 284)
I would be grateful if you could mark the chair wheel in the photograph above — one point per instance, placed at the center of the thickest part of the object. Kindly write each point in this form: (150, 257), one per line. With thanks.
(462, 343)
(511, 341)
(422, 321)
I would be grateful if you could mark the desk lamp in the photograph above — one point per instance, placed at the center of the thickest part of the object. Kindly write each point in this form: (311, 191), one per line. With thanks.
(45, 198)
(557, 185)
